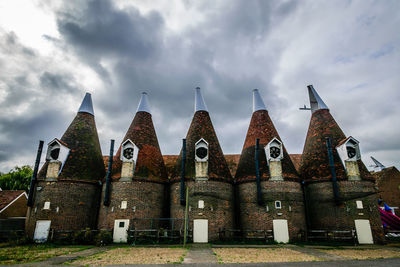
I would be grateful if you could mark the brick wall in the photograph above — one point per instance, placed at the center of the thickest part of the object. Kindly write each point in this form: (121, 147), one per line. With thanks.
(144, 200)
(257, 217)
(218, 205)
(388, 182)
(323, 213)
(77, 204)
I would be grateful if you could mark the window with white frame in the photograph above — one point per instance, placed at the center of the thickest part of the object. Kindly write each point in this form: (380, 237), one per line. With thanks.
(124, 204)
(278, 204)
(359, 204)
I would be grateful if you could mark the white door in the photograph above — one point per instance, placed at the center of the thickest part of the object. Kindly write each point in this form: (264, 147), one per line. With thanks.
(200, 231)
(120, 231)
(41, 231)
(364, 233)
(281, 231)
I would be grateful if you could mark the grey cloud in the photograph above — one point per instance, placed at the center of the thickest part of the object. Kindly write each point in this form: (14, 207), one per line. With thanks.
(278, 47)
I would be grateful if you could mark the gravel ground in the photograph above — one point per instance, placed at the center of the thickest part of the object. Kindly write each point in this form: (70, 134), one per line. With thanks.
(134, 255)
(253, 255)
(363, 254)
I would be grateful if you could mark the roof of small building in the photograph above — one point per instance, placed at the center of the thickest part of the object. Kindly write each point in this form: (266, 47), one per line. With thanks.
(8, 196)
(389, 172)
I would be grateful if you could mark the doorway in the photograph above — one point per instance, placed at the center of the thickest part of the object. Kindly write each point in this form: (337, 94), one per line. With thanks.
(41, 231)
(121, 231)
(200, 231)
(281, 231)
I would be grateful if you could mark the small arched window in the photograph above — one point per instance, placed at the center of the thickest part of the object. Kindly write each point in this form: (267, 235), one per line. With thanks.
(201, 150)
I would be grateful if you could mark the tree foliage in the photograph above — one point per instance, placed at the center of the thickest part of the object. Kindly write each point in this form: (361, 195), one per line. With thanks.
(17, 179)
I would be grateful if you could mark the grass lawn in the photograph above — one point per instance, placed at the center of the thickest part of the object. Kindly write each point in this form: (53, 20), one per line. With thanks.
(134, 255)
(30, 253)
(246, 255)
(363, 254)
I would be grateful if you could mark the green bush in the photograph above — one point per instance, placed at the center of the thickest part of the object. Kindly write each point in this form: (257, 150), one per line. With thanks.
(83, 237)
(103, 238)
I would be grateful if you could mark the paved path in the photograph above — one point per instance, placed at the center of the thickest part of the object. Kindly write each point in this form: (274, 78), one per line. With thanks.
(64, 258)
(200, 253)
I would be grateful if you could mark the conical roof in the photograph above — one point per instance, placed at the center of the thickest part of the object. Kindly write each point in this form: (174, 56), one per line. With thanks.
(84, 161)
(261, 127)
(202, 127)
(150, 163)
(314, 164)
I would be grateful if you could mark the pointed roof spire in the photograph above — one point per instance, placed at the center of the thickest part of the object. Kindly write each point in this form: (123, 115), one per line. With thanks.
(315, 100)
(199, 101)
(85, 160)
(261, 127)
(87, 105)
(149, 163)
(144, 104)
(258, 103)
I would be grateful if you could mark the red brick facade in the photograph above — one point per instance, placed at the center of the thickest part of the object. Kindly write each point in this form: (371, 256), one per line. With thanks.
(77, 194)
(73, 205)
(218, 205)
(145, 200)
(322, 210)
(388, 183)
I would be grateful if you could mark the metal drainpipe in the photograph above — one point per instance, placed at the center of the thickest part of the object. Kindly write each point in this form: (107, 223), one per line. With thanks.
(108, 176)
(333, 172)
(259, 195)
(183, 165)
(34, 175)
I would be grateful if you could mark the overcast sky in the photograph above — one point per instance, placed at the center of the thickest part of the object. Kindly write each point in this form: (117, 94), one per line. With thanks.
(52, 52)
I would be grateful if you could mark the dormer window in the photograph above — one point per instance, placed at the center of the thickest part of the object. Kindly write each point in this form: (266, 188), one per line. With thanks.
(129, 151)
(57, 151)
(349, 150)
(201, 150)
(274, 150)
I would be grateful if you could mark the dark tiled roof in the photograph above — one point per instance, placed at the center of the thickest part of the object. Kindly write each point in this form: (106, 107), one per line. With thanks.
(170, 162)
(261, 127)
(232, 161)
(7, 196)
(150, 163)
(314, 164)
(296, 158)
(202, 127)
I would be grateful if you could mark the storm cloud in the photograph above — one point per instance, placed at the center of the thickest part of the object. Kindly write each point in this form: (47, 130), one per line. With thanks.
(349, 50)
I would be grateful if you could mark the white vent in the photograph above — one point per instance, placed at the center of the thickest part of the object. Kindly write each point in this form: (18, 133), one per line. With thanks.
(201, 204)
(46, 205)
